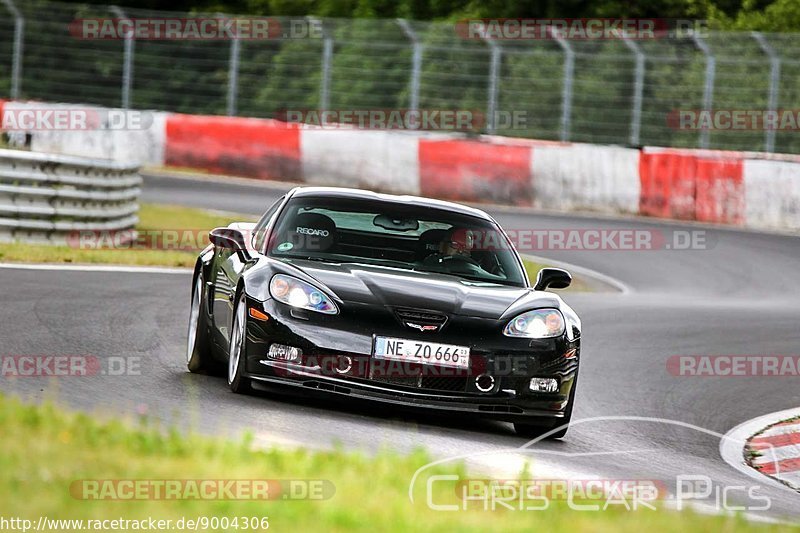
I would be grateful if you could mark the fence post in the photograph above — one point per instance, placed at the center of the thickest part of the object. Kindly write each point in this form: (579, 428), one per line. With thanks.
(774, 82)
(127, 61)
(566, 89)
(494, 80)
(19, 31)
(233, 76)
(327, 58)
(416, 63)
(638, 88)
(708, 91)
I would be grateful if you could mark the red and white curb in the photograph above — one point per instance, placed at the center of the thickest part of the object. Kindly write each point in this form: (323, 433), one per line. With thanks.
(767, 448)
(739, 189)
(775, 452)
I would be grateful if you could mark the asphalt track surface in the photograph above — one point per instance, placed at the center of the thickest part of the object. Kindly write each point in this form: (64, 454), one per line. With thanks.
(737, 296)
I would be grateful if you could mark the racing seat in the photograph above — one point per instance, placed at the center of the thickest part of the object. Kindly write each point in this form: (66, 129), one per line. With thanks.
(309, 232)
(429, 243)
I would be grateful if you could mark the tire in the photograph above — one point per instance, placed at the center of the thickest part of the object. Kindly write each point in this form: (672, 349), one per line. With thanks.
(535, 430)
(198, 349)
(237, 348)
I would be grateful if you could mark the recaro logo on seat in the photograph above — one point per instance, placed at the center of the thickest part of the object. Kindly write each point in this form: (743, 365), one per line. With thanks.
(312, 231)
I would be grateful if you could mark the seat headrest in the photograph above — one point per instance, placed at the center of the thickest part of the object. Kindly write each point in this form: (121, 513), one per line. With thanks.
(311, 232)
(429, 242)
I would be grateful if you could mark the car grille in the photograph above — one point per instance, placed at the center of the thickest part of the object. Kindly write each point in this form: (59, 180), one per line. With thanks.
(422, 317)
(432, 383)
(451, 383)
(405, 381)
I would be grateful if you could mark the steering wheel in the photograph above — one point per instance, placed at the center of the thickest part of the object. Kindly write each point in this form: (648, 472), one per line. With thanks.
(460, 258)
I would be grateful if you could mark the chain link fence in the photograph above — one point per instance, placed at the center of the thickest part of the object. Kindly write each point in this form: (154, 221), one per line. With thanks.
(614, 91)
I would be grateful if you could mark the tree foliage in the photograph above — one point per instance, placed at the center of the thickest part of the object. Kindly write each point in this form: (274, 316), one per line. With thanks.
(763, 15)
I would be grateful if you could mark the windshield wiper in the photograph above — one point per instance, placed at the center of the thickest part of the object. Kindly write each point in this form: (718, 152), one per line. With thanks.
(309, 258)
(467, 277)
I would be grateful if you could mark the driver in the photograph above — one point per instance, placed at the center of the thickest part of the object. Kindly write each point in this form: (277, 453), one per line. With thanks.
(458, 243)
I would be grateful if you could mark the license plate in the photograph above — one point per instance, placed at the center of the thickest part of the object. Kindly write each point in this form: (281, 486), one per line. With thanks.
(422, 352)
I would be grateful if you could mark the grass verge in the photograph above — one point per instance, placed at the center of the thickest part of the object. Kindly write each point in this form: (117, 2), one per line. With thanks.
(533, 268)
(54, 453)
(191, 227)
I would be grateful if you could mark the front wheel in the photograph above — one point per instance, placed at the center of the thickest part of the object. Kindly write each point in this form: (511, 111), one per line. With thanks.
(198, 350)
(237, 352)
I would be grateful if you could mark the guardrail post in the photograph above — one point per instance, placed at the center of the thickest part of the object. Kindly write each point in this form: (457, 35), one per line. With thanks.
(708, 91)
(638, 88)
(774, 82)
(566, 88)
(416, 63)
(494, 80)
(127, 65)
(16, 65)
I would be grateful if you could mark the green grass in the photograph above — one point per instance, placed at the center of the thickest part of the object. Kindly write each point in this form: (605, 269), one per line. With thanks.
(192, 225)
(46, 449)
(533, 268)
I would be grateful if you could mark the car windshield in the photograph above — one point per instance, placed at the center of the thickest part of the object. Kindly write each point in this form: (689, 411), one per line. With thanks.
(411, 237)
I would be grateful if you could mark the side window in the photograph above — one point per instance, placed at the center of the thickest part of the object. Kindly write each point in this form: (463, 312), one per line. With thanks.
(260, 231)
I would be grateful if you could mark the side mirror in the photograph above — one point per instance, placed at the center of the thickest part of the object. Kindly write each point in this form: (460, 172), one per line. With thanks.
(552, 278)
(232, 239)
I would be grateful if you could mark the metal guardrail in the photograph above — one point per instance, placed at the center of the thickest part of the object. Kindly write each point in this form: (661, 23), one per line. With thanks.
(46, 197)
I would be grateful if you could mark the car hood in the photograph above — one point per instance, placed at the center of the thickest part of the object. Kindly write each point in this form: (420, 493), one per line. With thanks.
(391, 287)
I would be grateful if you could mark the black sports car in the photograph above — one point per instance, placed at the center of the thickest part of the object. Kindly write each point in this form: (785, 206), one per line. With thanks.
(397, 299)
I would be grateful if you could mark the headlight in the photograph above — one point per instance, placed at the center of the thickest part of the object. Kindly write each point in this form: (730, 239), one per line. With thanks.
(296, 293)
(537, 324)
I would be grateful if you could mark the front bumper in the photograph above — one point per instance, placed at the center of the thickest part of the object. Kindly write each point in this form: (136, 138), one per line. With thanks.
(328, 345)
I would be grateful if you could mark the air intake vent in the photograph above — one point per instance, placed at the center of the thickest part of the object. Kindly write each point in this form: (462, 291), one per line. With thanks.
(425, 318)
